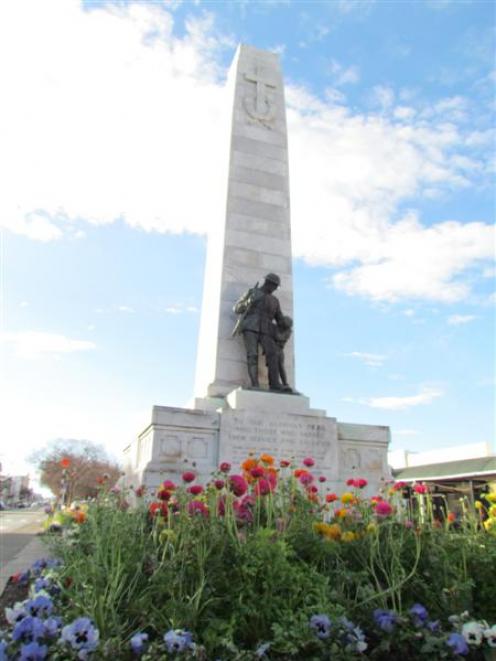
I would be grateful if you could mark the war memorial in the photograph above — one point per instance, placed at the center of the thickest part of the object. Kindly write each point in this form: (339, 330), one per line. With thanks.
(246, 399)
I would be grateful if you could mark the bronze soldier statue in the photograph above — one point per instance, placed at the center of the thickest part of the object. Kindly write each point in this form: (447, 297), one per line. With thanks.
(282, 333)
(259, 309)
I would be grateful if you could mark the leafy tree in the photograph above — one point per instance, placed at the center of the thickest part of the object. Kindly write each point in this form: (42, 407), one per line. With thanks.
(75, 469)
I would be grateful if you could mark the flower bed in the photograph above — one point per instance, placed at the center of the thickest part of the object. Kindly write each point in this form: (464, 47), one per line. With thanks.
(262, 563)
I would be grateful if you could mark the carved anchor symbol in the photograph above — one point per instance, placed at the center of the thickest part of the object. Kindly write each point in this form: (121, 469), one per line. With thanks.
(260, 107)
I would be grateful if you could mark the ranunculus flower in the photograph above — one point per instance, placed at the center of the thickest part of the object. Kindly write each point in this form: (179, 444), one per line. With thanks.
(225, 467)
(196, 489)
(284, 463)
(257, 472)
(306, 478)
(350, 482)
(421, 488)
(262, 487)
(219, 484)
(383, 508)
(158, 508)
(164, 494)
(188, 476)
(169, 485)
(308, 462)
(322, 478)
(361, 482)
(267, 459)
(248, 464)
(238, 485)
(139, 492)
(331, 497)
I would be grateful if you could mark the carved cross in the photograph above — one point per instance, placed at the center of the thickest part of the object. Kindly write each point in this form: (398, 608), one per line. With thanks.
(262, 108)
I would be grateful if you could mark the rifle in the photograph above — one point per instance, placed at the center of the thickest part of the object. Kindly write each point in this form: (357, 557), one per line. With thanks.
(243, 315)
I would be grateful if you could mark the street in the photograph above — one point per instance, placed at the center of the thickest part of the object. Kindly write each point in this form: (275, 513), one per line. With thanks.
(17, 528)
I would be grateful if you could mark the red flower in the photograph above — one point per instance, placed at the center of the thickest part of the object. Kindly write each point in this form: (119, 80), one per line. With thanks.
(383, 508)
(139, 492)
(219, 484)
(322, 478)
(309, 462)
(361, 482)
(196, 489)
(158, 508)
(238, 484)
(169, 485)
(257, 472)
(284, 463)
(262, 487)
(188, 476)
(65, 462)
(163, 494)
(421, 488)
(221, 506)
(451, 517)
(398, 485)
(331, 497)
(313, 489)
(350, 482)
(225, 467)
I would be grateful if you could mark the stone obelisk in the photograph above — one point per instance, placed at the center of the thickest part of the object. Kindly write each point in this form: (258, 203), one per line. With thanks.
(256, 236)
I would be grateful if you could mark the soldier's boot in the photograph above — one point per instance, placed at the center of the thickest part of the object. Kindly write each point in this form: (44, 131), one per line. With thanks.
(273, 369)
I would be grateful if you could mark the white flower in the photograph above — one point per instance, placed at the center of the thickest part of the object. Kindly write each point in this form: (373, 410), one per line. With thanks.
(490, 635)
(473, 632)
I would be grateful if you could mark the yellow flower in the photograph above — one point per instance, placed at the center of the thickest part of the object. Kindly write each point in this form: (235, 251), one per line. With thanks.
(320, 528)
(341, 513)
(372, 528)
(333, 531)
(348, 536)
(492, 511)
(347, 497)
(490, 526)
(478, 505)
(491, 497)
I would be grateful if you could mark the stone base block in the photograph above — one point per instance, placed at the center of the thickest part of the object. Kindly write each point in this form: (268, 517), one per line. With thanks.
(254, 422)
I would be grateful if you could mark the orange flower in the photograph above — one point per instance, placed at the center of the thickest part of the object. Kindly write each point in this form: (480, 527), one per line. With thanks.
(267, 459)
(248, 464)
(341, 513)
(79, 516)
(65, 462)
(451, 517)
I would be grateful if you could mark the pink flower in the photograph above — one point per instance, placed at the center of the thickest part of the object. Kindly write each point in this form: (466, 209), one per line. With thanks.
(284, 463)
(219, 484)
(225, 467)
(313, 489)
(350, 482)
(238, 484)
(139, 491)
(169, 485)
(322, 478)
(308, 462)
(196, 489)
(398, 485)
(383, 508)
(188, 476)
(421, 488)
(197, 507)
(163, 494)
(262, 487)
(221, 506)
(361, 482)
(256, 472)
(306, 479)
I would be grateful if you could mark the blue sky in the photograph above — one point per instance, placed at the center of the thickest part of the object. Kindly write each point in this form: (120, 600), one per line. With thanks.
(110, 159)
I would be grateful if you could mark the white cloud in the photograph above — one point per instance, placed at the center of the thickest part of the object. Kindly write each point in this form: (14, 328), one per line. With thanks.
(125, 308)
(179, 308)
(29, 344)
(115, 129)
(458, 319)
(343, 75)
(371, 359)
(399, 403)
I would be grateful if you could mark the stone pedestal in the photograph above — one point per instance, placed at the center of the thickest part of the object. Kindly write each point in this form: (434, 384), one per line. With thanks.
(251, 421)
